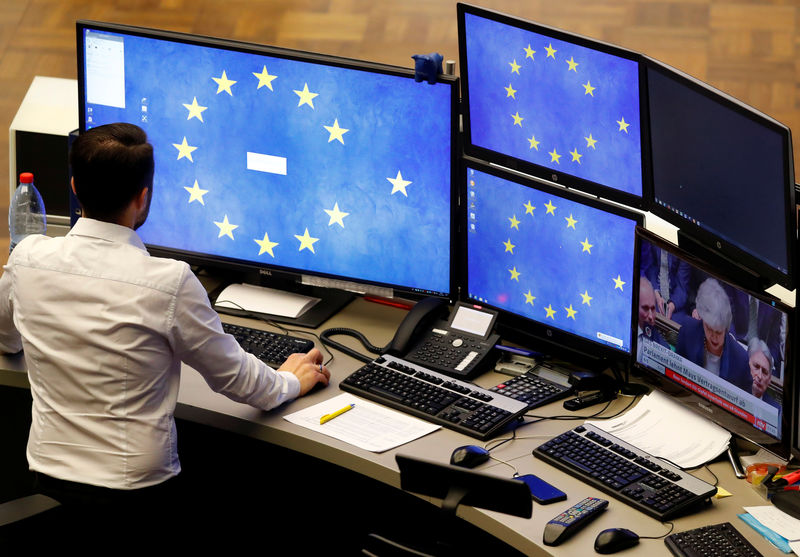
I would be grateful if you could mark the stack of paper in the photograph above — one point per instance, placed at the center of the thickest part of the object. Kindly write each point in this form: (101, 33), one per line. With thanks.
(782, 530)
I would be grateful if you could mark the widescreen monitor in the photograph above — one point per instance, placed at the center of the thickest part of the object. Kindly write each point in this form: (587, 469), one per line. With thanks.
(716, 347)
(723, 173)
(552, 104)
(558, 266)
(282, 161)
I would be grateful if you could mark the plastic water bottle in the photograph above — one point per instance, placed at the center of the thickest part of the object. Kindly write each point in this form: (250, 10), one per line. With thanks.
(26, 214)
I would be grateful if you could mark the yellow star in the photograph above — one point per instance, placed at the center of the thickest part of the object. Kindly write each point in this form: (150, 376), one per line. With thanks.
(224, 84)
(570, 221)
(570, 312)
(529, 298)
(529, 52)
(306, 97)
(336, 132)
(514, 274)
(534, 143)
(586, 298)
(623, 125)
(573, 65)
(195, 193)
(514, 222)
(195, 110)
(576, 156)
(510, 91)
(517, 119)
(306, 241)
(264, 79)
(514, 66)
(265, 245)
(226, 228)
(551, 209)
(618, 282)
(551, 52)
(587, 246)
(509, 246)
(398, 184)
(184, 150)
(590, 142)
(529, 208)
(554, 156)
(336, 215)
(550, 312)
(589, 89)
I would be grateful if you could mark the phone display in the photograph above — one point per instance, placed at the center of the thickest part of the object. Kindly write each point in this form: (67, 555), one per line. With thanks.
(541, 491)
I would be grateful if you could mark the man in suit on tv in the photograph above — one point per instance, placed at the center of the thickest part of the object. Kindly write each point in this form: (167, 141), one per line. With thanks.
(708, 343)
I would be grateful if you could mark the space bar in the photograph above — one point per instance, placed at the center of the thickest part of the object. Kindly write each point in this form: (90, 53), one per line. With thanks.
(386, 394)
(577, 465)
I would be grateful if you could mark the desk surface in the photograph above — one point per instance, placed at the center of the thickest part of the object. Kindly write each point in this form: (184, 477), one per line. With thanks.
(196, 402)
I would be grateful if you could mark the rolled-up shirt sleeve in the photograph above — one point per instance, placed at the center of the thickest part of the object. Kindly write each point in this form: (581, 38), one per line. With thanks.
(10, 339)
(200, 343)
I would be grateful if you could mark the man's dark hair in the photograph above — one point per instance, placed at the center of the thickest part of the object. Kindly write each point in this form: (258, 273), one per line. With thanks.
(111, 165)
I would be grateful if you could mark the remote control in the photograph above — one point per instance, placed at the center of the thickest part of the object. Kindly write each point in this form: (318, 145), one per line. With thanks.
(573, 519)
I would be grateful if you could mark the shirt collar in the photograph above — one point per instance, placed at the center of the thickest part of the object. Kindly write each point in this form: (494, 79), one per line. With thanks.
(108, 231)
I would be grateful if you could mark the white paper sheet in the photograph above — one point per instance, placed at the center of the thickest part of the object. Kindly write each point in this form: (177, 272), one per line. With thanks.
(667, 430)
(777, 521)
(368, 426)
(260, 299)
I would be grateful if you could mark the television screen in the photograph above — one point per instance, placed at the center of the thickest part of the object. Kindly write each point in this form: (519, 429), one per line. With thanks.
(558, 266)
(552, 104)
(706, 336)
(281, 159)
(723, 173)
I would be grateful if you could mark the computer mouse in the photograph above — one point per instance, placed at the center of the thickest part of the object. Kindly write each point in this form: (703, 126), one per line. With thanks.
(469, 456)
(615, 539)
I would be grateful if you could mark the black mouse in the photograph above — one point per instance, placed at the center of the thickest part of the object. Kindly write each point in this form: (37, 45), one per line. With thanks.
(615, 539)
(469, 456)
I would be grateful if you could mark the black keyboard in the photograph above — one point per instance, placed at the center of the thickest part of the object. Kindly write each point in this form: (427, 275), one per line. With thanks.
(433, 396)
(717, 539)
(271, 348)
(532, 390)
(633, 476)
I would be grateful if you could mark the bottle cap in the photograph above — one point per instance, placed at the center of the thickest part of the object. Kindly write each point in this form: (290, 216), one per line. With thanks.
(26, 178)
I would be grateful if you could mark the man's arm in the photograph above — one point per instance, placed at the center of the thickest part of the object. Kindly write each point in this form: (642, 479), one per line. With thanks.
(10, 339)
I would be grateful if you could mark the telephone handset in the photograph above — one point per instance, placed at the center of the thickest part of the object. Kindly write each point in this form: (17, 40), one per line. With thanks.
(459, 346)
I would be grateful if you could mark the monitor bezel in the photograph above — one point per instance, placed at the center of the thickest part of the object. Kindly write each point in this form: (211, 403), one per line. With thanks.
(749, 267)
(702, 406)
(265, 272)
(529, 333)
(542, 172)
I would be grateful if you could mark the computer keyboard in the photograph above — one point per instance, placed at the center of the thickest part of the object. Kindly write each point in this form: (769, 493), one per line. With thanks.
(633, 476)
(717, 539)
(433, 396)
(271, 348)
(532, 390)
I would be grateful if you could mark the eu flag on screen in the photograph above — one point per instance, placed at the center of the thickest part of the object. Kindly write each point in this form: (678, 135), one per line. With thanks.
(550, 259)
(557, 104)
(291, 163)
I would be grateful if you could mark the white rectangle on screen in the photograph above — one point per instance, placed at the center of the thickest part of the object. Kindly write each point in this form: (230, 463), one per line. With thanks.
(266, 163)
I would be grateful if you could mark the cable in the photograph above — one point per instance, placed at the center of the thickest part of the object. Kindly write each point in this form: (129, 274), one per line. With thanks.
(327, 333)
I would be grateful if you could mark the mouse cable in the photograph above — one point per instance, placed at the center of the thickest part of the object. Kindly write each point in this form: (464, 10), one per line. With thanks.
(327, 333)
(285, 330)
(671, 528)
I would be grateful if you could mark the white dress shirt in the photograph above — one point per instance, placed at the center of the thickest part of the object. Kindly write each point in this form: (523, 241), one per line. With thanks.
(105, 327)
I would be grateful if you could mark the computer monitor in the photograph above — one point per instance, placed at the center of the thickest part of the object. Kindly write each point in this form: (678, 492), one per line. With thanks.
(282, 162)
(716, 347)
(552, 104)
(724, 174)
(558, 266)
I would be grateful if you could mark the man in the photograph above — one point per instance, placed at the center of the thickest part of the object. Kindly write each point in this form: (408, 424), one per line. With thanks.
(105, 327)
(760, 360)
(647, 317)
(707, 342)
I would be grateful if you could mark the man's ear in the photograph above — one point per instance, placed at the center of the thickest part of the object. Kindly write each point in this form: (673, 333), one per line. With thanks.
(72, 185)
(141, 200)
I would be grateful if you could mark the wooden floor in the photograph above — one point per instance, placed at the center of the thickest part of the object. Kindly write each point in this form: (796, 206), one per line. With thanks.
(748, 48)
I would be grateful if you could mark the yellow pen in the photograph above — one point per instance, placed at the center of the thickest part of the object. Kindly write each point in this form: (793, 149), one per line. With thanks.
(332, 415)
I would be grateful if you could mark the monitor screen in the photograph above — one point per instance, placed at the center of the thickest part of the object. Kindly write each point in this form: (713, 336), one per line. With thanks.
(280, 159)
(703, 335)
(552, 104)
(558, 266)
(723, 173)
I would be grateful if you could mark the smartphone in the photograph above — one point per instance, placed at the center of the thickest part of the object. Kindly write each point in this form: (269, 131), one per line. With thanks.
(541, 491)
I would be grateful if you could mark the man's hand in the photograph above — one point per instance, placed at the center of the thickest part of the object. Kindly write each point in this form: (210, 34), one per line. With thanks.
(308, 369)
